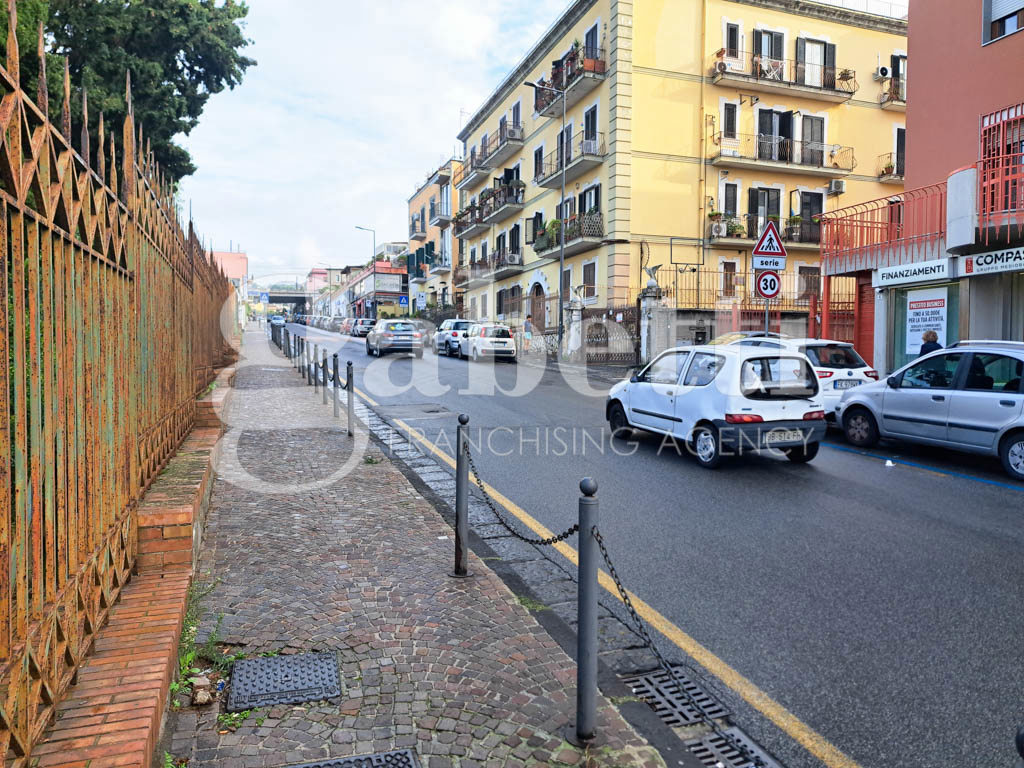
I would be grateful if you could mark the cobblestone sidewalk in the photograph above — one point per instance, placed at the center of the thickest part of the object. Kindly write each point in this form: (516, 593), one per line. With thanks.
(356, 564)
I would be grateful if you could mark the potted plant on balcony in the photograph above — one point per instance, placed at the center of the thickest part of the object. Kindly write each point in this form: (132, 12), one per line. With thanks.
(541, 243)
(888, 169)
(714, 215)
(734, 228)
(793, 227)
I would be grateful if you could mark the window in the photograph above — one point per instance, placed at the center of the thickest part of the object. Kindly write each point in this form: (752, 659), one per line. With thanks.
(513, 239)
(483, 146)
(762, 203)
(590, 199)
(810, 279)
(590, 280)
(665, 369)
(728, 279)
(729, 121)
(1006, 25)
(472, 306)
(538, 162)
(590, 128)
(483, 251)
(534, 227)
(934, 373)
(516, 116)
(566, 284)
(703, 369)
(483, 306)
(423, 218)
(590, 43)
(732, 40)
(499, 244)
(994, 373)
(777, 378)
(729, 203)
(566, 209)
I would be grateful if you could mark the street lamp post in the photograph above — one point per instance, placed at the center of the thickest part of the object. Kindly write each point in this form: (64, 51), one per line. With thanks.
(561, 206)
(374, 263)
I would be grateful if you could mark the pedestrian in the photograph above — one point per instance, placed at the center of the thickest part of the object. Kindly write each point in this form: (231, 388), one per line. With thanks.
(527, 333)
(931, 342)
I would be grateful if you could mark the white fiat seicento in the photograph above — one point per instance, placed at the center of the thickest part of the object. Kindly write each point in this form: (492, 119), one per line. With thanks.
(724, 401)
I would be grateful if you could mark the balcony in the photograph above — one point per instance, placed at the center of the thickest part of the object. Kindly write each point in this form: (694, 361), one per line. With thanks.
(891, 167)
(460, 275)
(894, 94)
(469, 222)
(578, 73)
(479, 274)
(755, 72)
(416, 229)
(506, 263)
(440, 215)
(442, 267)
(502, 145)
(762, 152)
(442, 175)
(583, 232)
(472, 172)
(585, 153)
(744, 232)
(502, 201)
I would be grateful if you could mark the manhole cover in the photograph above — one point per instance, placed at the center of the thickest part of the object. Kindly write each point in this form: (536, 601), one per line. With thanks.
(714, 750)
(283, 680)
(660, 690)
(401, 758)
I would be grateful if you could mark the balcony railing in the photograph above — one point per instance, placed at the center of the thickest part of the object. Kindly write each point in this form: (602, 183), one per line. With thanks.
(583, 152)
(750, 226)
(467, 220)
(577, 230)
(416, 229)
(439, 213)
(471, 171)
(767, 73)
(503, 143)
(1001, 197)
(569, 74)
(798, 156)
(505, 262)
(497, 203)
(460, 274)
(891, 166)
(894, 93)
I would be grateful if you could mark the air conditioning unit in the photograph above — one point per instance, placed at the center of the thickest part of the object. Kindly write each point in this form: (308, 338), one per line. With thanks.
(726, 152)
(719, 229)
(883, 73)
(722, 67)
(837, 186)
(590, 146)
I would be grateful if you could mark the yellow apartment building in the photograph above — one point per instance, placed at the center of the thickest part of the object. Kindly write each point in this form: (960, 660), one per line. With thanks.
(430, 240)
(689, 124)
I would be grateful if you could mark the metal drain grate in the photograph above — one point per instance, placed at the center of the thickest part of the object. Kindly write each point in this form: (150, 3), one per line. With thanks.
(283, 680)
(401, 758)
(660, 690)
(714, 751)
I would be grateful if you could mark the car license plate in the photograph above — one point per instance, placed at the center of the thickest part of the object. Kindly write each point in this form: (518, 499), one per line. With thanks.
(783, 436)
(846, 384)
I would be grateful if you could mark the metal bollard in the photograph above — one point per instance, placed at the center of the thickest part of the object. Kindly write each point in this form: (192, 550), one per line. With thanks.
(350, 387)
(461, 500)
(284, 344)
(316, 368)
(337, 396)
(323, 368)
(586, 618)
(309, 364)
(301, 356)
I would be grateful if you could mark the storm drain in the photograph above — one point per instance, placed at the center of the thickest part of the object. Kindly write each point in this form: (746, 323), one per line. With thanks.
(284, 680)
(660, 690)
(401, 758)
(718, 752)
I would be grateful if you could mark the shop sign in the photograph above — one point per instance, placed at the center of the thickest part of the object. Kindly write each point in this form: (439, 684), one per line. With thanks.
(926, 311)
(388, 283)
(919, 272)
(1010, 260)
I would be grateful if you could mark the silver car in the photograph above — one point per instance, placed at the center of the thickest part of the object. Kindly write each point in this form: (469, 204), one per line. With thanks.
(968, 397)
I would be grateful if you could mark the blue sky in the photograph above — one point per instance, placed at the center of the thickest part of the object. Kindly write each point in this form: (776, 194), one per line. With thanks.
(351, 105)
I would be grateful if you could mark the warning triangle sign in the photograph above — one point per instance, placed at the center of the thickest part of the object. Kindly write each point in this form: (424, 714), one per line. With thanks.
(770, 244)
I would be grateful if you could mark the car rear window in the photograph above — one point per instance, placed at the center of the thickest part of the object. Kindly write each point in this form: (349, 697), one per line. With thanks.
(777, 378)
(497, 333)
(461, 325)
(834, 356)
(399, 327)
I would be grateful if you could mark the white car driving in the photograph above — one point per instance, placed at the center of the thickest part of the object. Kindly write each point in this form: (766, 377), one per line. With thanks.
(724, 401)
(488, 340)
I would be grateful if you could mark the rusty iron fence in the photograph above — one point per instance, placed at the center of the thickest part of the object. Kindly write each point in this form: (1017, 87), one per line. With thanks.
(111, 328)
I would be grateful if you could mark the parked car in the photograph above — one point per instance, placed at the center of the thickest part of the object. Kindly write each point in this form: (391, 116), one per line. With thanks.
(724, 401)
(277, 320)
(394, 336)
(483, 340)
(362, 326)
(836, 363)
(346, 325)
(446, 339)
(968, 397)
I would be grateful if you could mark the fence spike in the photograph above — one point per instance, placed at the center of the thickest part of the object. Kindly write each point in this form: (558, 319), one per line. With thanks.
(65, 109)
(85, 128)
(113, 165)
(128, 90)
(100, 156)
(42, 95)
(13, 56)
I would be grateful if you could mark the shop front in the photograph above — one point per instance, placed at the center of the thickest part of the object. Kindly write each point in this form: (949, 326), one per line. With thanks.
(995, 280)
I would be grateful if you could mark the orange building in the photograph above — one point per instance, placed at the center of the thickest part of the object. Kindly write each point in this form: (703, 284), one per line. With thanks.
(430, 239)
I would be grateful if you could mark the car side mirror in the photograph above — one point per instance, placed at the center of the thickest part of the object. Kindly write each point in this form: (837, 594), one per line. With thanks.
(633, 379)
(893, 381)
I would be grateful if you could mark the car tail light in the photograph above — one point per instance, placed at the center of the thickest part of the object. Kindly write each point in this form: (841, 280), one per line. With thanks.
(416, 334)
(824, 374)
(455, 334)
(742, 418)
(871, 375)
(814, 415)
(387, 334)
(483, 333)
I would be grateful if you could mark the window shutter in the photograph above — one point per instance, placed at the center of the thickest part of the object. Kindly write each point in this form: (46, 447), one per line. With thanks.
(732, 40)
(597, 198)
(752, 201)
(894, 66)
(730, 199)
(774, 201)
(801, 60)
(1001, 8)
(582, 203)
(786, 125)
(757, 42)
(829, 78)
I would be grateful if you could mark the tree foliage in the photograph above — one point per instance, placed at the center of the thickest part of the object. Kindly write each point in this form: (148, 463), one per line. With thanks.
(179, 53)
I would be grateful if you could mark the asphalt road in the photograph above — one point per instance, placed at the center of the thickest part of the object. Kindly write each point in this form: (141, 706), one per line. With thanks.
(881, 605)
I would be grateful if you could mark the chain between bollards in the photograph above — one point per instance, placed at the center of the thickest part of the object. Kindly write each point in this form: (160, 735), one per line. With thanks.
(337, 385)
(461, 570)
(350, 389)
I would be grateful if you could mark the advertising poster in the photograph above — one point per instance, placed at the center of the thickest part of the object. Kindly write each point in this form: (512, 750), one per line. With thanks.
(926, 311)
(388, 283)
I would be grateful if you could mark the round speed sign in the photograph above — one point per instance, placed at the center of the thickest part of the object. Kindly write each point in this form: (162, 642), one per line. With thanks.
(768, 284)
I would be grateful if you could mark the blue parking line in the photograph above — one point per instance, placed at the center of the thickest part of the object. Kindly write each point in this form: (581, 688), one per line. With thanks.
(916, 465)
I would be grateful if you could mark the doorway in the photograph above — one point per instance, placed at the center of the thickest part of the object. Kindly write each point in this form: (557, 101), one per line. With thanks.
(537, 307)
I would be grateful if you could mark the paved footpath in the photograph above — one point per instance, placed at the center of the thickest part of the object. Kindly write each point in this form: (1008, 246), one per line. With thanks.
(313, 547)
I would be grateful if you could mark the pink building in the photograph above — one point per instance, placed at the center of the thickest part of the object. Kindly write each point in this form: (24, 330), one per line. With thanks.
(315, 280)
(236, 266)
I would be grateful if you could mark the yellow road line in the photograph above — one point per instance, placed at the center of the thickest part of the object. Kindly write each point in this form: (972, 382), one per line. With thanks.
(799, 731)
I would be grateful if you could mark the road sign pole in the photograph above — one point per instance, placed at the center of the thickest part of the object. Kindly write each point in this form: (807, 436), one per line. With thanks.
(766, 303)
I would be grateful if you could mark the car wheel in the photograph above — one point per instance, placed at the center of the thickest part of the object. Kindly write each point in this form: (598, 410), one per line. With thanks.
(706, 447)
(418, 353)
(368, 350)
(462, 355)
(476, 357)
(1011, 451)
(617, 422)
(801, 454)
(447, 349)
(860, 428)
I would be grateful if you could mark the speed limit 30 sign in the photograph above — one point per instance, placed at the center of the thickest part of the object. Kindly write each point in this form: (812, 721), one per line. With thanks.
(768, 284)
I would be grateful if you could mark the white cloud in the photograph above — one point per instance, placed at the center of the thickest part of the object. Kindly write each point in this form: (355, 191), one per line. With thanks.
(351, 105)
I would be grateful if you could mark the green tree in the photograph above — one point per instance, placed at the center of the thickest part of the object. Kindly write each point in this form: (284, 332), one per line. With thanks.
(179, 53)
